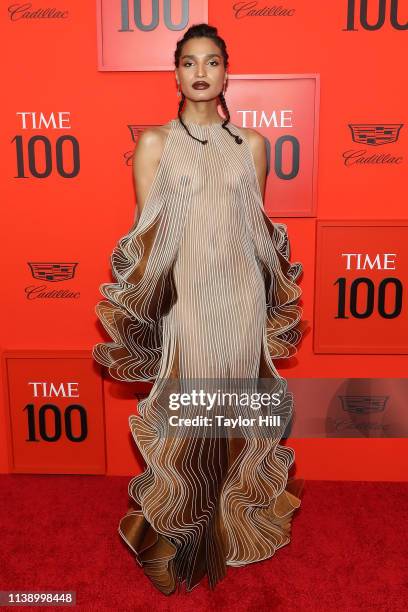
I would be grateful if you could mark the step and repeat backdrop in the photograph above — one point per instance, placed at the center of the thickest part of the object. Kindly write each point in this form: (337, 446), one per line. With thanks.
(325, 84)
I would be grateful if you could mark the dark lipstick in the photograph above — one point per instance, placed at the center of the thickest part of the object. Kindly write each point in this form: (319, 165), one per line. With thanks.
(200, 85)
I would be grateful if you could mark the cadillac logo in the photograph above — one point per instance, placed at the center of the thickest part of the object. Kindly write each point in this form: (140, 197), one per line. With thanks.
(52, 272)
(373, 134)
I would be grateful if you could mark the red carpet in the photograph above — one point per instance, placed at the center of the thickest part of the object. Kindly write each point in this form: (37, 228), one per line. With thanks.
(349, 550)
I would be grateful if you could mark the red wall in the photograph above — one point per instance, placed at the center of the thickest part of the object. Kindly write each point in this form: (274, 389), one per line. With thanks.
(51, 67)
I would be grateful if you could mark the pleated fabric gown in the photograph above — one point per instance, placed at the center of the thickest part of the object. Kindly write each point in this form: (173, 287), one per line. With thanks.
(204, 289)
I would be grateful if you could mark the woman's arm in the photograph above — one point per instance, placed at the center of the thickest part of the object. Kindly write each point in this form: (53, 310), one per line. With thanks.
(258, 149)
(146, 158)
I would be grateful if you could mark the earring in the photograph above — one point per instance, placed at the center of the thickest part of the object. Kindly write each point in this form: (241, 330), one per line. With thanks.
(178, 89)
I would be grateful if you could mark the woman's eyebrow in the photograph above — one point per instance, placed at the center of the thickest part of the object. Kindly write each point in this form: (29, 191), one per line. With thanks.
(208, 55)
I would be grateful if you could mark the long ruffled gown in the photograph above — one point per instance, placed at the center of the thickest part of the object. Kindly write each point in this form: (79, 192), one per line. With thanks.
(204, 289)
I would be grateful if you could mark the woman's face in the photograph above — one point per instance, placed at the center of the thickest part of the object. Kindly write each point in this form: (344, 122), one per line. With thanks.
(201, 60)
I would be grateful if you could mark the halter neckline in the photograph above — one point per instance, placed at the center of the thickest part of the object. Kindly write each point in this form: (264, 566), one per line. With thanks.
(200, 125)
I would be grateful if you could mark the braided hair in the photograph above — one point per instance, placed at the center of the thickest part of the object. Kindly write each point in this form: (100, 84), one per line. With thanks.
(197, 31)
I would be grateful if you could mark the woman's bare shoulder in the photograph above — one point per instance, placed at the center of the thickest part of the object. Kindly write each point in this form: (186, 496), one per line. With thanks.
(252, 135)
(151, 141)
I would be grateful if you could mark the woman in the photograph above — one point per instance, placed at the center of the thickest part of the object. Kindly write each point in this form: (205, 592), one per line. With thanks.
(204, 290)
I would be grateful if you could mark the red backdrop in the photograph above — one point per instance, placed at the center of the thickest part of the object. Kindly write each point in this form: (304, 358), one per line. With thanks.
(51, 67)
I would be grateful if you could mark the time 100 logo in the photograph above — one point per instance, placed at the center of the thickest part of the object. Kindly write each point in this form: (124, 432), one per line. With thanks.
(377, 8)
(157, 6)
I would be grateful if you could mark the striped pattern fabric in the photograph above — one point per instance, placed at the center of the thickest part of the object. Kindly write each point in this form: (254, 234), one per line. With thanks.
(203, 289)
